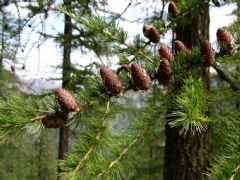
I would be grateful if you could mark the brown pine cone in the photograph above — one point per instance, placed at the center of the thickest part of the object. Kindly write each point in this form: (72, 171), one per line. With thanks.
(56, 120)
(126, 67)
(146, 29)
(208, 53)
(66, 101)
(225, 37)
(173, 9)
(151, 33)
(140, 77)
(164, 73)
(165, 52)
(179, 46)
(111, 81)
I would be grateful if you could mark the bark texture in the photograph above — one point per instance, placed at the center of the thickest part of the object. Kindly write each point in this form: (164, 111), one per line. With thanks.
(188, 156)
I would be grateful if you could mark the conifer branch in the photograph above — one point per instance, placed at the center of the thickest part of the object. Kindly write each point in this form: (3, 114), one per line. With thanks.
(98, 136)
(222, 74)
(103, 30)
(123, 153)
(197, 6)
(37, 118)
(189, 106)
(137, 51)
(235, 172)
(119, 15)
(44, 116)
(193, 8)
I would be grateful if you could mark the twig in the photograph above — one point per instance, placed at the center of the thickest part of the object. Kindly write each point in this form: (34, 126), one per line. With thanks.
(27, 21)
(119, 15)
(48, 114)
(162, 11)
(106, 33)
(98, 136)
(138, 51)
(123, 153)
(226, 77)
(186, 13)
(234, 172)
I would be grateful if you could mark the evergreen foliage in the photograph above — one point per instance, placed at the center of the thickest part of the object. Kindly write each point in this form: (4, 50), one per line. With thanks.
(226, 164)
(104, 151)
(226, 116)
(190, 103)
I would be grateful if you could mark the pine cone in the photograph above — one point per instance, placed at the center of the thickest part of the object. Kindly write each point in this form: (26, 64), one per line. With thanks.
(173, 9)
(208, 53)
(111, 81)
(126, 67)
(165, 52)
(225, 37)
(66, 101)
(165, 72)
(179, 46)
(151, 33)
(146, 29)
(56, 120)
(140, 77)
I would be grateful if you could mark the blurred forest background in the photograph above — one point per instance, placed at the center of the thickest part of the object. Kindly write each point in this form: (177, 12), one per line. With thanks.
(42, 49)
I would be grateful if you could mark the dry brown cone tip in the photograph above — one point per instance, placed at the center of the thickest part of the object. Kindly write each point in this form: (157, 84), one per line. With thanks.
(225, 37)
(56, 120)
(151, 33)
(111, 81)
(165, 52)
(179, 46)
(140, 77)
(66, 101)
(208, 53)
(173, 9)
(165, 73)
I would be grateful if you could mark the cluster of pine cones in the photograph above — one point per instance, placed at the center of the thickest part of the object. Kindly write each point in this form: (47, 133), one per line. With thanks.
(142, 79)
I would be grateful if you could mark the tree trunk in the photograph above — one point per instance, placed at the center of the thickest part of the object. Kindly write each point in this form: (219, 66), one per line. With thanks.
(64, 131)
(187, 157)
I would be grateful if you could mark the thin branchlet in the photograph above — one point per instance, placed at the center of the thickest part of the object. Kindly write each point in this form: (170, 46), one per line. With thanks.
(123, 153)
(98, 136)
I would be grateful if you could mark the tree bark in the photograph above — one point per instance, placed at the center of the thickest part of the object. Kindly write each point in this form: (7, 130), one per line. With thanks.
(64, 131)
(188, 156)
